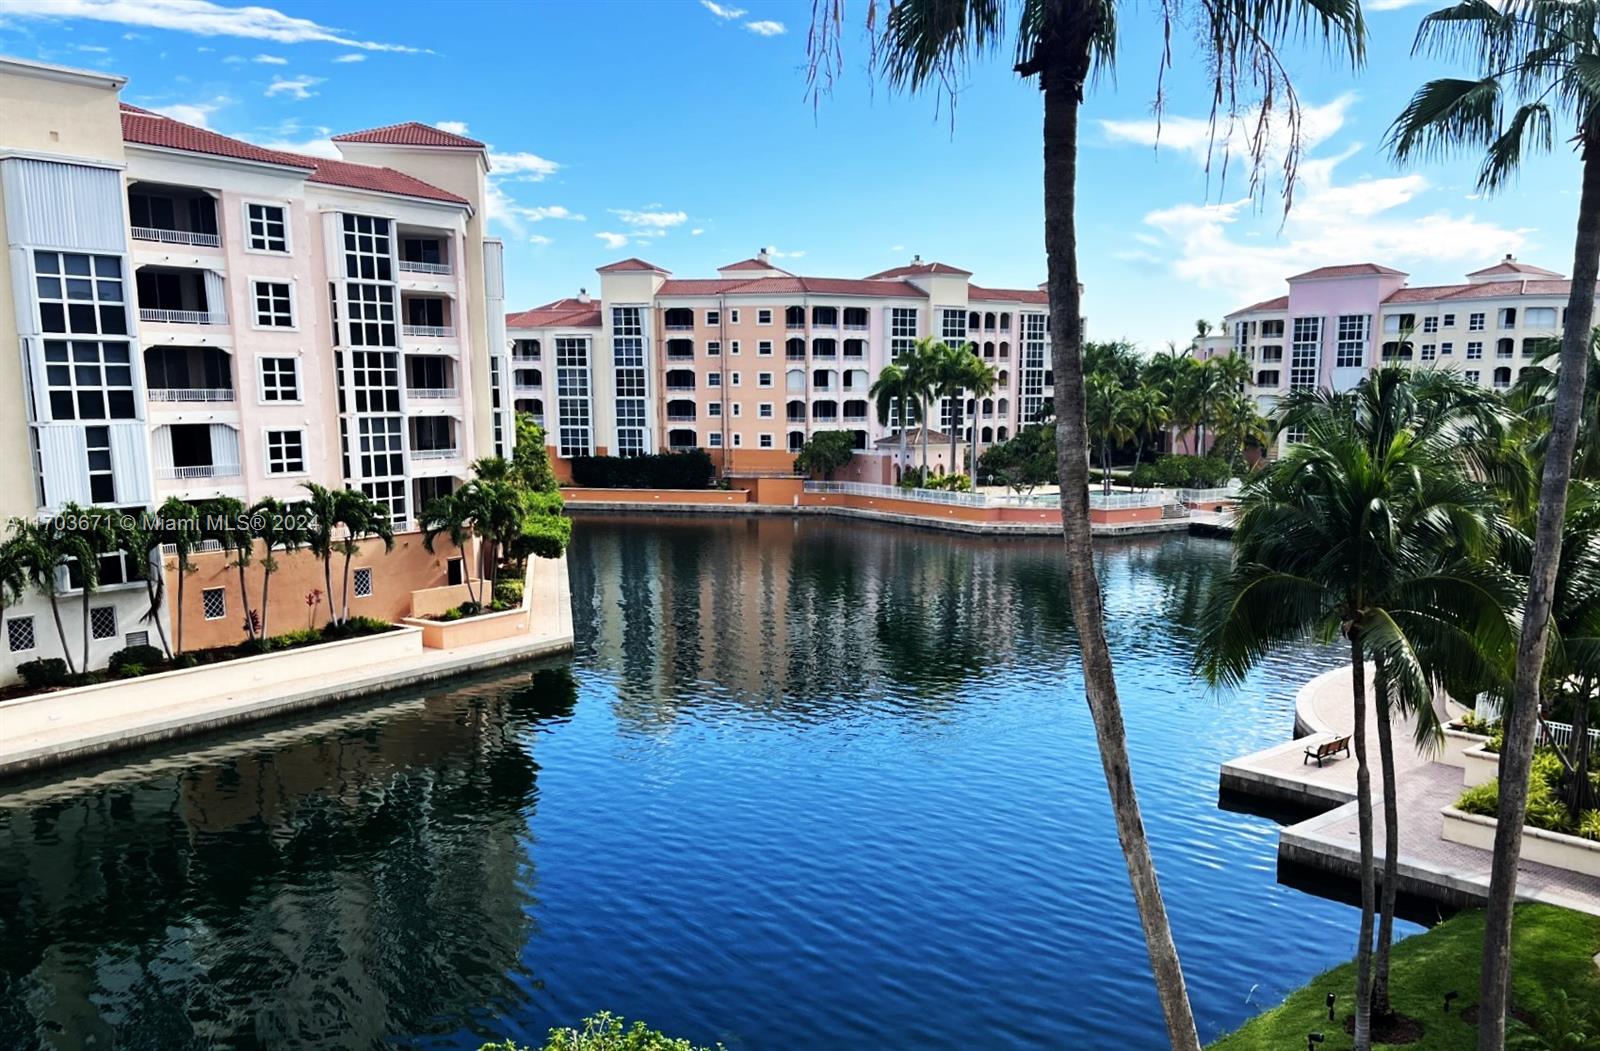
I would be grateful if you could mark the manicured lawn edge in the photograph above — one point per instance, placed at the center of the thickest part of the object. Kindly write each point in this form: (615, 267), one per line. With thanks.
(1553, 949)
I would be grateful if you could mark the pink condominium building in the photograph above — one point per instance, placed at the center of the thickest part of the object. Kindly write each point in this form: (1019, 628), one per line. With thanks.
(1338, 322)
(751, 362)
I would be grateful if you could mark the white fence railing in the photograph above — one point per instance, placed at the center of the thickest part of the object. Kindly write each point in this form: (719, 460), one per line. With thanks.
(1206, 496)
(894, 492)
(191, 393)
(435, 454)
(1489, 710)
(428, 331)
(180, 317)
(212, 470)
(176, 237)
(1124, 501)
(432, 393)
(411, 266)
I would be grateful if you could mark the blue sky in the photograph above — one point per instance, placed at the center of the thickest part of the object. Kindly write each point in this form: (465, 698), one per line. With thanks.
(680, 131)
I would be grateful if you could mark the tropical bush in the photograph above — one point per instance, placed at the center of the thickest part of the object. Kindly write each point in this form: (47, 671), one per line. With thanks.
(1187, 472)
(123, 661)
(605, 1032)
(508, 592)
(825, 452)
(681, 470)
(1545, 809)
(46, 671)
(1589, 827)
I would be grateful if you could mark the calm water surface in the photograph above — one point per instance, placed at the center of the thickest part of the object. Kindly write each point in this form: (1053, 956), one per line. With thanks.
(804, 785)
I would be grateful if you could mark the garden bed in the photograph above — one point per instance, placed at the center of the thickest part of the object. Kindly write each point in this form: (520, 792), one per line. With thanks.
(1556, 849)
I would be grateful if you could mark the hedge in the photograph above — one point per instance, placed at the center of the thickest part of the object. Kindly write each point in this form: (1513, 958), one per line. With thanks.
(684, 470)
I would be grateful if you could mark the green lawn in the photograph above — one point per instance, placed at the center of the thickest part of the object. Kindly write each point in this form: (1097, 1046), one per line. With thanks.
(1552, 949)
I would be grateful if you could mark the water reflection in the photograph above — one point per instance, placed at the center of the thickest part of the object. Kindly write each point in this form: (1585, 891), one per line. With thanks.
(325, 887)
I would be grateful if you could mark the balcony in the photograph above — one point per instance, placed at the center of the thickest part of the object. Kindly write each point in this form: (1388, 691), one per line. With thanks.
(432, 393)
(428, 331)
(199, 471)
(190, 394)
(451, 453)
(678, 319)
(158, 316)
(680, 350)
(855, 319)
(176, 237)
(417, 266)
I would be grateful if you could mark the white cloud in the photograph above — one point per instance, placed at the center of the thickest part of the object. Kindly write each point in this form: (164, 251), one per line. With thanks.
(1368, 219)
(298, 88)
(196, 16)
(523, 167)
(353, 57)
(540, 239)
(234, 60)
(93, 49)
(613, 240)
(454, 127)
(697, 231)
(318, 145)
(767, 28)
(1192, 135)
(271, 60)
(722, 11)
(777, 254)
(196, 113)
(644, 221)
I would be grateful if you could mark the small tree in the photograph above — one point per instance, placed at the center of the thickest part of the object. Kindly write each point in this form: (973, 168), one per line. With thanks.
(180, 526)
(530, 459)
(142, 541)
(42, 557)
(83, 534)
(275, 525)
(323, 512)
(825, 451)
(228, 523)
(454, 516)
(363, 518)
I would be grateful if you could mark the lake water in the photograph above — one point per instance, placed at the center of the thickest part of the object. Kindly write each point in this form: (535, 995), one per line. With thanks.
(804, 784)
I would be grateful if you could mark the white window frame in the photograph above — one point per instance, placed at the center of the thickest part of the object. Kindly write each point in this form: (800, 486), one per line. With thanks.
(763, 379)
(764, 348)
(294, 304)
(266, 452)
(93, 632)
(716, 439)
(713, 348)
(714, 409)
(355, 582)
(764, 316)
(713, 379)
(288, 227)
(1475, 350)
(261, 380)
(764, 410)
(733, 379)
(764, 440)
(1447, 321)
(738, 440)
(733, 347)
(13, 623)
(713, 318)
(733, 316)
(207, 591)
(1476, 322)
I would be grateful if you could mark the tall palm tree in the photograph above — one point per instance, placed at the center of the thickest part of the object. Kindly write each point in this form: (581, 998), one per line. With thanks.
(43, 559)
(228, 523)
(13, 573)
(1148, 413)
(321, 534)
(952, 369)
(1239, 425)
(921, 43)
(454, 516)
(892, 392)
(141, 539)
(1109, 416)
(980, 381)
(180, 527)
(1534, 395)
(1168, 372)
(1537, 60)
(362, 518)
(1344, 538)
(276, 526)
(923, 366)
(82, 535)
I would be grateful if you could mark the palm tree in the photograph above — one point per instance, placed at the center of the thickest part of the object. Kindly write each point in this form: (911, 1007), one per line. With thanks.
(922, 366)
(83, 534)
(1534, 395)
(952, 368)
(1239, 425)
(228, 523)
(275, 525)
(919, 43)
(42, 556)
(363, 518)
(1148, 413)
(892, 392)
(1108, 415)
(180, 527)
(1374, 542)
(142, 542)
(13, 573)
(1207, 387)
(321, 535)
(1538, 59)
(1169, 371)
(980, 380)
(455, 516)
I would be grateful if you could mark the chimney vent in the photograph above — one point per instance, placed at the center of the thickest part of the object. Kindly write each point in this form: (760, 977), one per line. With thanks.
(583, 295)
(764, 255)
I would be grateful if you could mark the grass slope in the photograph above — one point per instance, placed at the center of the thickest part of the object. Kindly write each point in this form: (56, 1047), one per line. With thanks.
(1552, 949)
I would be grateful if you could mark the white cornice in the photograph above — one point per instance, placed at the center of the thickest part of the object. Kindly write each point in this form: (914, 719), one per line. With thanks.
(66, 74)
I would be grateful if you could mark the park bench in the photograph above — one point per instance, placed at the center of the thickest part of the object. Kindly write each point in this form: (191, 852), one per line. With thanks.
(1327, 750)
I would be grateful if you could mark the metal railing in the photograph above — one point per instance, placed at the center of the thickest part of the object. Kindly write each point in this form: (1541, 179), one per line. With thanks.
(1561, 734)
(428, 331)
(856, 328)
(1206, 496)
(516, 357)
(214, 470)
(894, 492)
(680, 328)
(528, 388)
(678, 417)
(433, 393)
(176, 237)
(435, 454)
(179, 317)
(191, 393)
(413, 266)
(680, 388)
(1123, 501)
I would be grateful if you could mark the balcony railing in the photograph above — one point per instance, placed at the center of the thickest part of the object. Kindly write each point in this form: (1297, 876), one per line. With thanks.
(855, 417)
(179, 317)
(413, 266)
(176, 237)
(524, 357)
(670, 327)
(210, 470)
(428, 331)
(435, 454)
(681, 387)
(852, 327)
(432, 393)
(680, 417)
(191, 393)
(680, 355)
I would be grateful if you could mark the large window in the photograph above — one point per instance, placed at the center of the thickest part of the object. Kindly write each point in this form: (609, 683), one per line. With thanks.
(89, 380)
(268, 229)
(274, 304)
(902, 330)
(953, 328)
(102, 485)
(80, 294)
(286, 452)
(1351, 353)
(627, 355)
(572, 397)
(83, 296)
(280, 379)
(1305, 353)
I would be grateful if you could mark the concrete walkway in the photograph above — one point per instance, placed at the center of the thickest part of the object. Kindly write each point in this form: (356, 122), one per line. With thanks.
(1429, 865)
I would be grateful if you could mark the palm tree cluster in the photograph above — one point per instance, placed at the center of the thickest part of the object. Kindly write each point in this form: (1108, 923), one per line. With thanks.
(931, 370)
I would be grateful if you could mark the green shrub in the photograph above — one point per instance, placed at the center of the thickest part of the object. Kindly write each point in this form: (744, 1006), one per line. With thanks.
(302, 637)
(508, 592)
(682, 470)
(130, 670)
(605, 1032)
(141, 656)
(1144, 476)
(1192, 472)
(46, 671)
(451, 614)
(1589, 827)
(1545, 809)
(355, 627)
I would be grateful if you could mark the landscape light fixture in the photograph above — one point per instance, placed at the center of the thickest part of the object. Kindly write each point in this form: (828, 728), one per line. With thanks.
(1312, 1040)
(1331, 999)
(1451, 995)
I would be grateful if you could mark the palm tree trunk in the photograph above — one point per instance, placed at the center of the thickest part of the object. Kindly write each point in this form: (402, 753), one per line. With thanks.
(1063, 74)
(344, 604)
(924, 414)
(182, 559)
(953, 427)
(327, 581)
(1358, 696)
(61, 632)
(266, 588)
(244, 599)
(86, 623)
(155, 614)
(1521, 724)
(1391, 852)
(905, 404)
(1578, 781)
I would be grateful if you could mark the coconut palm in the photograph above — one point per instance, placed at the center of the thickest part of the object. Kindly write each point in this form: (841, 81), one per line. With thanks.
(1537, 62)
(1534, 395)
(923, 364)
(1168, 372)
(43, 557)
(1238, 426)
(228, 523)
(894, 393)
(1374, 538)
(979, 380)
(1109, 416)
(1148, 413)
(181, 528)
(922, 43)
(276, 525)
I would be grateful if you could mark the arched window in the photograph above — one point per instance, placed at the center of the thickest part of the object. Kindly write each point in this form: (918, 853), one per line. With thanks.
(795, 348)
(988, 349)
(1001, 434)
(1005, 323)
(796, 410)
(1502, 378)
(1004, 407)
(794, 317)
(1005, 350)
(988, 406)
(795, 380)
(1003, 380)
(988, 436)
(797, 441)
(680, 410)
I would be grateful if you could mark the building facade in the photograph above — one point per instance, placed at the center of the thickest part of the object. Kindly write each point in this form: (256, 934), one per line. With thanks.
(1337, 323)
(188, 315)
(748, 364)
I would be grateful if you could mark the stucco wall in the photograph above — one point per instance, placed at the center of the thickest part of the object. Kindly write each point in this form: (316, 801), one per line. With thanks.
(663, 496)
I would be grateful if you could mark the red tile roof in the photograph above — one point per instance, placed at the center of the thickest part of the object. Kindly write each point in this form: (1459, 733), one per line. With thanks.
(410, 133)
(149, 129)
(791, 285)
(632, 263)
(1350, 270)
(1007, 295)
(1275, 303)
(563, 313)
(918, 269)
(1509, 266)
(1481, 290)
(752, 264)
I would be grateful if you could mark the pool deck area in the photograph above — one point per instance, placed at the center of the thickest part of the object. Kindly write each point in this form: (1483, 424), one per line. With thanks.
(1430, 866)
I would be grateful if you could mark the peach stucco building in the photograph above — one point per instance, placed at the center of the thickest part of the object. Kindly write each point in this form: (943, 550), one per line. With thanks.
(751, 362)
